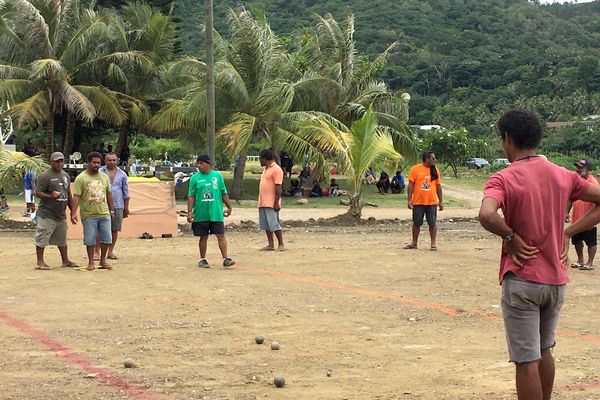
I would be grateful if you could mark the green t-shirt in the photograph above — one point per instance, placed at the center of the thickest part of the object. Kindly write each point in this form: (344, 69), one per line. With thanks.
(92, 190)
(208, 190)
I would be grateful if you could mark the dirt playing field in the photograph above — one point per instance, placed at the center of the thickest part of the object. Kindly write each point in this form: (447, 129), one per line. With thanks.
(382, 322)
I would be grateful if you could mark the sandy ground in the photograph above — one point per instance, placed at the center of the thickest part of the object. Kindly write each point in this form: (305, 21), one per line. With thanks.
(386, 323)
(356, 317)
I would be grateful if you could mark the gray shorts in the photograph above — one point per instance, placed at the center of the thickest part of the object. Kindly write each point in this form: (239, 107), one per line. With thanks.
(50, 231)
(268, 219)
(429, 212)
(530, 312)
(116, 222)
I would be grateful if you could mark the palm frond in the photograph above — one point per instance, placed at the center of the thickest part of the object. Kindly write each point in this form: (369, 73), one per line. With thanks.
(238, 133)
(31, 113)
(14, 164)
(15, 90)
(13, 72)
(104, 102)
(77, 103)
(48, 69)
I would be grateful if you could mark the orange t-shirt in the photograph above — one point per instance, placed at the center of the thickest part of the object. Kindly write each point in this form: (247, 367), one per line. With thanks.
(271, 176)
(580, 207)
(424, 191)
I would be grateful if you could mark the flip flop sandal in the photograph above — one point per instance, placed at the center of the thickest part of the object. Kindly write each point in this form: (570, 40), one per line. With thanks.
(576, 265)
(433, 248)
(586, 267)
(410, 247)
(37, 267)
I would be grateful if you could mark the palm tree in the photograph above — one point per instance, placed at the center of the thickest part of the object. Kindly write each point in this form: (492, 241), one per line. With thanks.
(366, 143)
(253, 90)
(139, 29)
(14, 164)
(53, 52)
(328, 50)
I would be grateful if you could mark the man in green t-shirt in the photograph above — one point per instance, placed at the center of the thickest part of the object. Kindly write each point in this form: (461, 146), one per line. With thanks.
(91, 193)
(206, 196)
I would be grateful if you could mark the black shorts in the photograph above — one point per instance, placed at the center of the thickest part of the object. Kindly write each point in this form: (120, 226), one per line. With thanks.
(429, 212)
(206, 228)
(589, 237)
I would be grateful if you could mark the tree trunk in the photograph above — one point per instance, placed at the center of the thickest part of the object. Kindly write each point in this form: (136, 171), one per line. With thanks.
(50, 136)
(355, 209)
(123, 137)
(210, 79)
(237, 190)
(69, 134)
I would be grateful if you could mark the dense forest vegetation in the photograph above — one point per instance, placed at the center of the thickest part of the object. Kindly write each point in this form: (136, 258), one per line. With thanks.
(461, 61)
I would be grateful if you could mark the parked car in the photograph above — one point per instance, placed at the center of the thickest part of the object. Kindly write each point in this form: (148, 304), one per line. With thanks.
(501, 162)
(477, 163)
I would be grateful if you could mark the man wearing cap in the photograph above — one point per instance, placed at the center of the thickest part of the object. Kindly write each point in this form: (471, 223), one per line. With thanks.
(206, 195)
(55, 196)
(578, 210)
(91, 192)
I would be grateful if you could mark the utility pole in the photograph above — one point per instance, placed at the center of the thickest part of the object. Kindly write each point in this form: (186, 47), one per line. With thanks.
(210, 80)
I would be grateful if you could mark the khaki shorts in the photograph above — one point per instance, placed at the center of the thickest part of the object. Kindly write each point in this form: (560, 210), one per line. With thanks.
(530, 312)
(49, 231)
(116, 222)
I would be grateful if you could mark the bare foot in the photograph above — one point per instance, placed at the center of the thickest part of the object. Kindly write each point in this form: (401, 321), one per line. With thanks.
(410, 246)
(96, 257)
(43, 267)
(112, 257)
(267, 248)
(281, 248)
(71, 264)
(90, 267)
(104, 265)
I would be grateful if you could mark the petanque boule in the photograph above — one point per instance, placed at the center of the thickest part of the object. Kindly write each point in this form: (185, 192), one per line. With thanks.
(279, 381)
(274, 345)
(129, 363)
(259, 340)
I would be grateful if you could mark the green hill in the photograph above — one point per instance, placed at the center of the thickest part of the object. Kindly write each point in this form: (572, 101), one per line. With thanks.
(461, 60)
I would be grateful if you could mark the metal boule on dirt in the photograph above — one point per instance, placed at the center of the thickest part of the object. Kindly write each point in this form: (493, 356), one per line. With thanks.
(279, 381)
(328, 372)
(129, 363)
(274, 345)
(259, 339)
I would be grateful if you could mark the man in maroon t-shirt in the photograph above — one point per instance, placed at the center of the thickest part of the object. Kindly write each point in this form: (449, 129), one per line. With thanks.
(533, 194)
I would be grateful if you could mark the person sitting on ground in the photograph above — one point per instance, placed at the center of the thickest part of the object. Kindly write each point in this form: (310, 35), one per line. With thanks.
(316, 190)
(306, 182)
(334, 188)
(369, 177)
(398, 184)
(383, 185)
(294, 188)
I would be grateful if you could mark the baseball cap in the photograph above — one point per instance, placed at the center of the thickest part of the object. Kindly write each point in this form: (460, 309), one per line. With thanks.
(583, 164)
(204, 158)
(57, 155)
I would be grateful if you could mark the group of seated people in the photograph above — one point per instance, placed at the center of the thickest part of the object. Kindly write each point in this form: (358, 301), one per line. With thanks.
(395, 186)
(307, 186)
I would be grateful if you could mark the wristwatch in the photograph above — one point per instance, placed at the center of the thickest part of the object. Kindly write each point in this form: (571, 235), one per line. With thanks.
(509, 237)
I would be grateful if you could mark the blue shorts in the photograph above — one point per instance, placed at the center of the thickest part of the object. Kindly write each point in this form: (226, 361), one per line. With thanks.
(268, 219)
(96, 227)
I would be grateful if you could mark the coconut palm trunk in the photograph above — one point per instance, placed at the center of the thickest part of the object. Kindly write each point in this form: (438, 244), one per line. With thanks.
(237, 189)
(123, 137)
(69, 134)
(49, 136)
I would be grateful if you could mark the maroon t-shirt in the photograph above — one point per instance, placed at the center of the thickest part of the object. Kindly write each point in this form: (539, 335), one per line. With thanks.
(533, 194)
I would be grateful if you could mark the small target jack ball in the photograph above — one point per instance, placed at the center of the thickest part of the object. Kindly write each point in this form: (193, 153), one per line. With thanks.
(129, 363)
(279, 381)
(259, 340)
(274, 345)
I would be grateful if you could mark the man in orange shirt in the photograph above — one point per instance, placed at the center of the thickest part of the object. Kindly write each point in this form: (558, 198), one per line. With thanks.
(579, 209)
(424, 197)
(269, 200)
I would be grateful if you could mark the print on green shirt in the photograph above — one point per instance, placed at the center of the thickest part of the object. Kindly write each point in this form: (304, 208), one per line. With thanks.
(92, 192)
(208, 190)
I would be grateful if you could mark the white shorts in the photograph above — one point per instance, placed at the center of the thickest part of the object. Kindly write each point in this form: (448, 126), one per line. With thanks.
(29, 196)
